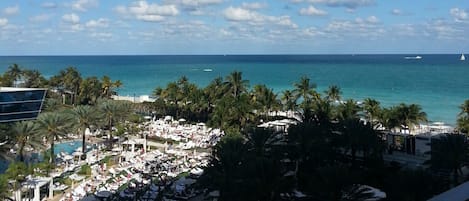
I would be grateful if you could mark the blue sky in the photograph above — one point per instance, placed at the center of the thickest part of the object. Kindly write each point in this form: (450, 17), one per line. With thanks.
(95, 27)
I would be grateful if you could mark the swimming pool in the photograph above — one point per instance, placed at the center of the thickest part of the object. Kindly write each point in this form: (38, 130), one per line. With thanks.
(67, 147)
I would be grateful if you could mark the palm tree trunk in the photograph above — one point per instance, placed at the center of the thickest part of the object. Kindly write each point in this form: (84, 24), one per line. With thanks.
(20, 151)
(110, 133)
(83, 145)
(51, 159)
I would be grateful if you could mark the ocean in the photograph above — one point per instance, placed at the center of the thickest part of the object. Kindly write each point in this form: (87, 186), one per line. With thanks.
(439, 83)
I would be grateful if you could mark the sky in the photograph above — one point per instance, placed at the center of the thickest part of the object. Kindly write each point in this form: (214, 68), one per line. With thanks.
(115, 27)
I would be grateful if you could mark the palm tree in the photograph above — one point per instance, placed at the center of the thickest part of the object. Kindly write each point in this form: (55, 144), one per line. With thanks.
(288, 100)
(348, 110)
(215, 90)
(235, 84)
(25, 133)
(85, 116)
(358, 137)
(54, 126)
(333, 93)
(304, 89)
(14, 72)
(372, 109)
(264, 99)
(90, 90)
(225, 169)
(320, 112)
(33, 79)
(108, 86)
(449, 152)
(72, 81)
(17, 172)
(113, 111)
(410, 115)
(463, 118)
(5, 147)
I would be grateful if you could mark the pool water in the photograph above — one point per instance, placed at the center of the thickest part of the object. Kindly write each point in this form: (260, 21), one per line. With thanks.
(67, 147)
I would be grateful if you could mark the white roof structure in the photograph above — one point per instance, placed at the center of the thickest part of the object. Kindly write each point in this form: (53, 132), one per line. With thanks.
(36, 182)
(14, 89)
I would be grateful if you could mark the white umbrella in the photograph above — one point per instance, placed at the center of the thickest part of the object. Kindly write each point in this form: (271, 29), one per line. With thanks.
(68, 157)
(182, 120)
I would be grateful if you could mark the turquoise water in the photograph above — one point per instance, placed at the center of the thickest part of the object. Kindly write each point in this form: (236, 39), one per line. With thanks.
(439, 83)
(67, 147)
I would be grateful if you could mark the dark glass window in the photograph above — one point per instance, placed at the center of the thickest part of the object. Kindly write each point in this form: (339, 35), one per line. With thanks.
(21, 95)
(13, 117)
(19, 107)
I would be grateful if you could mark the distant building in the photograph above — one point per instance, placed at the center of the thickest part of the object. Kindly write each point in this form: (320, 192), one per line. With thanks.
(17, 104)
(412, 149)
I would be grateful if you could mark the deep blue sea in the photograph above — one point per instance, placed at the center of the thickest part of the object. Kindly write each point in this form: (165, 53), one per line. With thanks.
(439, 83)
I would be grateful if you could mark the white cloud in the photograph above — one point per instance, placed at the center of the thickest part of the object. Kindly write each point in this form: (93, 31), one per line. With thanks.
(40, 18)
(71, 18)
(350, 4)
(196, 3)
(405, 30)
(442, 29)
(458, 14)
(13, 10)
(143, 8)
(312, 11)
(49, 5)
(3, 22)
(366, 28)
(372, 19)
(396, 12)
(255, 18)
(284, 21)
(151, 18)
(84, 5)
(102, 36)
(99, 23)
(148, 12)
(311, 32)
(253, 5)
(241, 14)
(197, 12)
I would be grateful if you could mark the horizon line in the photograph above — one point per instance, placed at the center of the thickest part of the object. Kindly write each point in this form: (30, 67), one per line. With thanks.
(273, 54)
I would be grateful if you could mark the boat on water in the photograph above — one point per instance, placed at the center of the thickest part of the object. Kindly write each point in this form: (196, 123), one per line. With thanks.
(208, 70)
(414, 58)
(463, 58)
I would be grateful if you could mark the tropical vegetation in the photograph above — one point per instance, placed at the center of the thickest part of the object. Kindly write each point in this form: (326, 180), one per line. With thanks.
(333, 148)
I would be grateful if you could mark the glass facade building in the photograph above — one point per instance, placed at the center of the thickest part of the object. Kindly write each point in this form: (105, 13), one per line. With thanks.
(17, 104)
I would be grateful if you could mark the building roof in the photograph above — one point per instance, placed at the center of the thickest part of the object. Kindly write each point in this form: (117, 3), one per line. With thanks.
(458, 193)
(14, 89)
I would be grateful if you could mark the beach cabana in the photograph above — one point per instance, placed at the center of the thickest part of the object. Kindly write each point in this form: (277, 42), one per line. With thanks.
(37, 184)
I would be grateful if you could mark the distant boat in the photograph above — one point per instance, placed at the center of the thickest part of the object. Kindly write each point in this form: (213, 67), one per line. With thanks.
(208, 70)
(463, 58)
(415, 58)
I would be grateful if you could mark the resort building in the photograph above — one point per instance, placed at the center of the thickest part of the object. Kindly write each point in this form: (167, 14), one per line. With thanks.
(411, 148)
(18, 104)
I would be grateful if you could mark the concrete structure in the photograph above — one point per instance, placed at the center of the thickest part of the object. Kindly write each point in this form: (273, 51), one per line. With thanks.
(36, 184)
(458, 193)
(412, 148)
(18, 104)
(134, 99)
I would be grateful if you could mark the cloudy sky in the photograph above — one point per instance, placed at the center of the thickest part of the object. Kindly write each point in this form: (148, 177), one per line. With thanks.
(94, 27)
